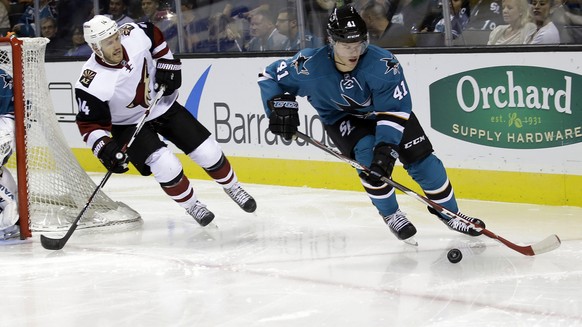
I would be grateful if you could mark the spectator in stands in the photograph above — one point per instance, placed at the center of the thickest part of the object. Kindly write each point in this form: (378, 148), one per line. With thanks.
(72, 13)
(150, 9)
(547, 32)
(193, 27)
(484, 15)
(163, 18)
(25, 26)
(258, 6)
(287, 25)
(459, 17)
(563, 15)
(264, 34)
(4, 17)
(48, 29)
(80, 47)
(383, 33)
(410, 13)
(223, 35)
(317, 12)
(117, 12)
(519, 28)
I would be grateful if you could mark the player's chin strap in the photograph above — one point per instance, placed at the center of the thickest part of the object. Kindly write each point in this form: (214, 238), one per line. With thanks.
(550, 243)
(59, 243)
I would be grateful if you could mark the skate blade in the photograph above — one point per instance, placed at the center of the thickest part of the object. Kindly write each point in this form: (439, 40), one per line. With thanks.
(411, 241)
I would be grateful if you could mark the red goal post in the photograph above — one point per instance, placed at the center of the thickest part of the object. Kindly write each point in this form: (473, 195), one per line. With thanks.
(52, 186)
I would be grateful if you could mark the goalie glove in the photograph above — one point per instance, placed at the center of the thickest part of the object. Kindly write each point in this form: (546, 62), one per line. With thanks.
(284, 118)
(168, 73)
(110, 155)
(383, 162)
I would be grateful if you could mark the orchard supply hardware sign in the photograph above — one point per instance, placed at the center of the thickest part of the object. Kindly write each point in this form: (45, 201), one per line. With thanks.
(515, 107)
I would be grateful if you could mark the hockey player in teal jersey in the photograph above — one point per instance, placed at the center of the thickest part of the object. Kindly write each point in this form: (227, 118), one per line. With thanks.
(363, 100)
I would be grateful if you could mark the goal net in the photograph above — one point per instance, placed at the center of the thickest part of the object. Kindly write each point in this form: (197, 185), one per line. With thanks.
(52, 186)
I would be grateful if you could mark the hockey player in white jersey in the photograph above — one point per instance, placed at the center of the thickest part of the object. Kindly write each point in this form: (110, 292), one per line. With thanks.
(128, 66)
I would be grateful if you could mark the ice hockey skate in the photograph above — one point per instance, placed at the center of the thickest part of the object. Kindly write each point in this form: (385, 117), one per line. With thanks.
(459, 225)
(200, 213)
(241, 197)
(402, 228)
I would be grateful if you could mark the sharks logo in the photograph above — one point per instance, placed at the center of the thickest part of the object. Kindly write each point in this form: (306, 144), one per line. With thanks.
(6, 81)
(392, 65)
(351, 106)
(299, 64)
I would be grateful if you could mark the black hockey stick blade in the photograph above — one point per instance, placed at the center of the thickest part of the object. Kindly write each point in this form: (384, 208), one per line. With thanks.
(58, 243)
(550, 243)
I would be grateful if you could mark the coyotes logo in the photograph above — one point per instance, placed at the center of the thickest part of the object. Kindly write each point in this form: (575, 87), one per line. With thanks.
(142, 92)
(87, 77)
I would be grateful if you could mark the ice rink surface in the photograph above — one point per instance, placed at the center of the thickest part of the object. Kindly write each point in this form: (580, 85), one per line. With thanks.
(307, 257)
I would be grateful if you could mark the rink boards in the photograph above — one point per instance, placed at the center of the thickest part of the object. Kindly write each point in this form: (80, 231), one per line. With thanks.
(507, 127)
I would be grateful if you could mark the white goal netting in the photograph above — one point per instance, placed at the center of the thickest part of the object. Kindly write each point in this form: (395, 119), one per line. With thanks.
(57, 187)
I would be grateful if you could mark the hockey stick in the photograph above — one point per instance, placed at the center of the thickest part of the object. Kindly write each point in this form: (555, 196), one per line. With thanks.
(58, 243)
(550, 243)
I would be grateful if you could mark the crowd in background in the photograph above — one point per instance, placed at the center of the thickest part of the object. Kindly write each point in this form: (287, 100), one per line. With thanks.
(207, 26)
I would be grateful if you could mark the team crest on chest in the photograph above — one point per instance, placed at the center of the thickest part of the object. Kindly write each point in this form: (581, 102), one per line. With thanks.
(142, 91)
(87, 77)
(349, 82)
(126, 29)
(392, 65)
(299, 64)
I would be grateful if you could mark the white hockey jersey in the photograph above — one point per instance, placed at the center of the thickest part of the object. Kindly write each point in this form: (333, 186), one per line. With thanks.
(120, 94)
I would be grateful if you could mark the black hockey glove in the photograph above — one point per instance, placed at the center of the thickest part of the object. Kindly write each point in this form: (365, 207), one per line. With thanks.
(110, 155)
(284, 118)
(385, 156)
(168, 73)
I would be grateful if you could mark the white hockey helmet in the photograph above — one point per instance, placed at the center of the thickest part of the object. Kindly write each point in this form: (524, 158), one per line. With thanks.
(98, 29)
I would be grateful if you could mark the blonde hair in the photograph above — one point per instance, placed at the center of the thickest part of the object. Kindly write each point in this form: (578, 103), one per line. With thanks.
(523, 7)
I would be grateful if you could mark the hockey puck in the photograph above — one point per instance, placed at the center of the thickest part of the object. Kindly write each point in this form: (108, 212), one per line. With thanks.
(454, 255)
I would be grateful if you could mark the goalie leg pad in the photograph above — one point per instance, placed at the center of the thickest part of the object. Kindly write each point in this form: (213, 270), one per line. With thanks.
(9, 216)
(8, 204)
